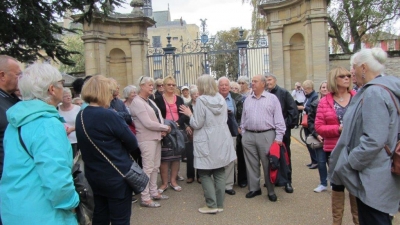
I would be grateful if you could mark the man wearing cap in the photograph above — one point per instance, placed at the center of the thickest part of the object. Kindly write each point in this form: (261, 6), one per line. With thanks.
(262, 124)
(300, 97)
(186, 95)
(290, 115)
(9, 73)
(235, 105)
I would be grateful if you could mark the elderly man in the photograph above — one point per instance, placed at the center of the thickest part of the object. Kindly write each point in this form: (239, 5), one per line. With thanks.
(9, 73)
(262, 124)
(119, 106)
(290, 114)
(300, 96)
(235, 105)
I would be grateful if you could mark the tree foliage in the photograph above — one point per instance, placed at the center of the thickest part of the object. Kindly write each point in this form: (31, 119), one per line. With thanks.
(225, 56)
(74, 43)
(30, 26)
(349, 20)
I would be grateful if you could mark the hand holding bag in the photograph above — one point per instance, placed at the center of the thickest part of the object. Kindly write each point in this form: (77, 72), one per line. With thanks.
(313, 142)
(135, 177)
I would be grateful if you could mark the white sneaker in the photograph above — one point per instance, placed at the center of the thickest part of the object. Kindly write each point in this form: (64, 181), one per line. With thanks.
(206, 210)
(320, 188)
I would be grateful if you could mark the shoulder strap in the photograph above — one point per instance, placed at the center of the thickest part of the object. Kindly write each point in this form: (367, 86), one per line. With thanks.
(95, 146)
(22, 142)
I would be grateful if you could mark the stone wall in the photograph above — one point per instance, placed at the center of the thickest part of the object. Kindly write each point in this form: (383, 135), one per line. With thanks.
(392, 63)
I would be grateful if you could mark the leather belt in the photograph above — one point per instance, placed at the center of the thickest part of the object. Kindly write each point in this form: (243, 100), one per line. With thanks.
(258, 131)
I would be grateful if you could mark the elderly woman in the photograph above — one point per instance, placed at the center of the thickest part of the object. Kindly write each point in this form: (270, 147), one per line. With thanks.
(169, 104)
(244, 83)
(211, 150)
(311, 95)
(190, 171)
(359, 161)
(150, 129)
(69, 111)
(77, 101)
(329, 124)
(129, 93)
(186, 95)
(322, 158)
(235, 87)
(37, 185)
(101, 130)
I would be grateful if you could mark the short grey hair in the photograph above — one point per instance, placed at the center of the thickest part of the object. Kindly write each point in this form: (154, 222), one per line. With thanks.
(67, 90)
(375, 58)
(36, 80)
(128, 89)
(243, 79)
(143, 80)
(268, 74)
(194, 91)
(223, 78)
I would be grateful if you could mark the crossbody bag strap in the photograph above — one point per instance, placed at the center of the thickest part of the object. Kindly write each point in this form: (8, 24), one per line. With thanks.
(22, 142)
(170, 111)
(95, 146)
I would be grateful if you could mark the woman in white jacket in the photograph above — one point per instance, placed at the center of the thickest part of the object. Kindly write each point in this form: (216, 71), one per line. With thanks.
(211, 150)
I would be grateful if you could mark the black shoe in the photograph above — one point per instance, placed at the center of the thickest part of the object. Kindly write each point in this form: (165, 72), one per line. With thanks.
(243, 185)
(308, 165)
(272, 198)
(313, 166)
(134, 200)
(230, 192)
(288, 188)
(253, 194)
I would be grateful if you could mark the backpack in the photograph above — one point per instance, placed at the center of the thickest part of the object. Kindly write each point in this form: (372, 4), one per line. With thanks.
(395, 156)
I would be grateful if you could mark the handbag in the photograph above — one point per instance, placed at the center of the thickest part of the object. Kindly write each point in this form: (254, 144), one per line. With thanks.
(304, 122)
(313, 142)
(85, 209)
(135, 177)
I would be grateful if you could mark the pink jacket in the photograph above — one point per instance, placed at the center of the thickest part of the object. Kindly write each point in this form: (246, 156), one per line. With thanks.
(327, 123)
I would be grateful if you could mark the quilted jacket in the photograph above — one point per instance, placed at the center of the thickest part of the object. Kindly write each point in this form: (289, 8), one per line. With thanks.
(327, 123)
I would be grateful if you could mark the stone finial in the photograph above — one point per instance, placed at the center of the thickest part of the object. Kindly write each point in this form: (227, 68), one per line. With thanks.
(137, 8)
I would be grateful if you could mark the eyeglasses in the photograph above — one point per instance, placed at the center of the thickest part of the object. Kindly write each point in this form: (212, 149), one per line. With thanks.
(171, 85)
(343, 76)
(160, 85)
(62, 82)
(140, 81)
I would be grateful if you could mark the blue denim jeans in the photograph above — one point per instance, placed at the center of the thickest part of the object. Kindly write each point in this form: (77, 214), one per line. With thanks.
(322, 161)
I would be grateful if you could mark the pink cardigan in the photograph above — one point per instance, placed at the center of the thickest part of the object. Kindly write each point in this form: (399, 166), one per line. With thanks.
(327, 123)
(147, 126)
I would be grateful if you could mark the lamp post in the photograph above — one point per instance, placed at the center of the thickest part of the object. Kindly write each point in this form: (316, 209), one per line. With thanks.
(205, 44)
(242, 48)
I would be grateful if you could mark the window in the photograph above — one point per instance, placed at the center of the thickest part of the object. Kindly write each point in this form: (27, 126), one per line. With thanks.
(157, 59)
(156, 42)
(175, 38)
(157, 74)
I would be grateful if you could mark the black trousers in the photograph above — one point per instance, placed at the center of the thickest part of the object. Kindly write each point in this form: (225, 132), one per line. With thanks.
(371, 216)
(241, 163)
(190, 171)
(286, 141)
(116, 211)
(300, 111)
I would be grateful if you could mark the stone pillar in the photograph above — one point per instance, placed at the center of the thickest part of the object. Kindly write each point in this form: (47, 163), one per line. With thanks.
(276, 59)
(139, 65)
(285, 81)
(320, 51)
(95, 57)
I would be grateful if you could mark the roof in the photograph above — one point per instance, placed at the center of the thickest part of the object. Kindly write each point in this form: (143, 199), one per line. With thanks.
(161, 16)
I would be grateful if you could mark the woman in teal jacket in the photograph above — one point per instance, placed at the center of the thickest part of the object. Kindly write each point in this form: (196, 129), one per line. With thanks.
(37, 186)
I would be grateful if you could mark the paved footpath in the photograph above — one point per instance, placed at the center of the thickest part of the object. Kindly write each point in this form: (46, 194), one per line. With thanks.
(303, 207)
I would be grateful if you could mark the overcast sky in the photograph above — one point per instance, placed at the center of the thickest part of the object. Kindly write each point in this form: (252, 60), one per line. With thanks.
(220, 14)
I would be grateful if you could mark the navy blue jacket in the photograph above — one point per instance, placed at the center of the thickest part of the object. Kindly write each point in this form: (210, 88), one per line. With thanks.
(112, 135)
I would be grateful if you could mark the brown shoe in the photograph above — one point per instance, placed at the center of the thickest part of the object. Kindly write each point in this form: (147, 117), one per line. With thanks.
(199, 180)
(189, 180)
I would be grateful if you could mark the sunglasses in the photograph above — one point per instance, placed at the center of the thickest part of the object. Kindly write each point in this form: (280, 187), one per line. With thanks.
(343, 76)
(160, 85)
(171, 85)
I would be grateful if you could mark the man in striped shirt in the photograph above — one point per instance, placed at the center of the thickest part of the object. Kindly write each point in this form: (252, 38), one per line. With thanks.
(262, 124)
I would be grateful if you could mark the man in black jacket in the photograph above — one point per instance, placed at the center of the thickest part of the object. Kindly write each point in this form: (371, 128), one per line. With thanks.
(290, 114)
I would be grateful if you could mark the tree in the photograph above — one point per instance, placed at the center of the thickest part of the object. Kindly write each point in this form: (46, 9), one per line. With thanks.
(74, 43)
(27, 27)
(350, 20)
(225, 56)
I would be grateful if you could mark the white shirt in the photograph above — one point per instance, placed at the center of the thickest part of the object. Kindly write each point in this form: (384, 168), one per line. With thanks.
(299, 95)
(70, 117)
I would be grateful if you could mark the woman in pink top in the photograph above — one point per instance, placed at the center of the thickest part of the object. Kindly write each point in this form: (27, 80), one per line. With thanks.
(150, 129)
(169, 104)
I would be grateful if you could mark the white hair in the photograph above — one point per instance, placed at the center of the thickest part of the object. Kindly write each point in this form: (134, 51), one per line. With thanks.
(223, 78)
(375, 58)
(67, 90)
(128, 90)
(193, 91)
(36, 80)
(143, 80)
(243, 79)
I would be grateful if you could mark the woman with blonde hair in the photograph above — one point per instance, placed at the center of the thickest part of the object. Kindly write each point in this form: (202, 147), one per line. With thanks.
(211, 150)
(329, 124)
(105, 141)
(361, 158)
(150, 130)
(169, 104)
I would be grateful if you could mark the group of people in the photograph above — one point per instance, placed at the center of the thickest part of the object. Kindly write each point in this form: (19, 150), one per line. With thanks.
(225, 122)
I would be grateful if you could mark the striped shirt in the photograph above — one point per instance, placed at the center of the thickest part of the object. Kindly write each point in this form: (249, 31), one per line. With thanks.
(263, 113)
